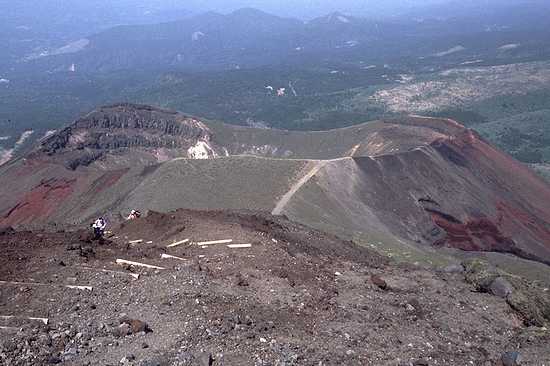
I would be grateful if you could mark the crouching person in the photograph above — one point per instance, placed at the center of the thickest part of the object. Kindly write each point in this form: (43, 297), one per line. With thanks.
(99, 228)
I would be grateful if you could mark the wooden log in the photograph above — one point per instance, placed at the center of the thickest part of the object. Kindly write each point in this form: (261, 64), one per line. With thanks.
(89, 288)
(137, 264)
(178, 243)
(8, 317)
(10, 328)
(168, 256)
(225, 241)
(238, 246)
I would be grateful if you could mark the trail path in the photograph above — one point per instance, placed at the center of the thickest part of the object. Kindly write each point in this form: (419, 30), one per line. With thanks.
(319, 164)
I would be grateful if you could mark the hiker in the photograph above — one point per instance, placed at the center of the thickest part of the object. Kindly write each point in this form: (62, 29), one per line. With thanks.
(134, 214)
(99, 228)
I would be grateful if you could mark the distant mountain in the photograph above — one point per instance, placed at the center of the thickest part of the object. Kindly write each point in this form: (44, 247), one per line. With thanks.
(249, 38)
(36, 26)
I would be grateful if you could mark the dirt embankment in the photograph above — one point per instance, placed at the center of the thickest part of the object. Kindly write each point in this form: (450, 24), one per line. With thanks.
(278, 293)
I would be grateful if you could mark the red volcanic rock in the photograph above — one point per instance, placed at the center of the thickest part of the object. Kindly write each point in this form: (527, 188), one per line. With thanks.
(39, 202)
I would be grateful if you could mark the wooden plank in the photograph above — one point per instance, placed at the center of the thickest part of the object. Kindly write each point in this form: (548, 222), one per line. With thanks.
(89, 288)
(8, 317)
(238, 246)
(10, 328)
(177, 243)
(225, 241)
(123, 261)
(168, 256)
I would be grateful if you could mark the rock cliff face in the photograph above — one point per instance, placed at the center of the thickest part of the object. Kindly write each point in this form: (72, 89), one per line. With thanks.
(116, 128)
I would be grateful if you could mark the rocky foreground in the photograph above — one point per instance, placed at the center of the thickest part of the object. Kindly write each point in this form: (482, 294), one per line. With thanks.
(282, 294)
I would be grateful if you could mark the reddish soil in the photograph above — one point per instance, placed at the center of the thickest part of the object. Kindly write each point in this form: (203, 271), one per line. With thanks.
(518, 195)
(474, 235)
(40, 202)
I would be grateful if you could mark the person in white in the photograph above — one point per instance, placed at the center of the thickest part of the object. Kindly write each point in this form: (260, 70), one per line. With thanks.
(99, 227)
(134, 214)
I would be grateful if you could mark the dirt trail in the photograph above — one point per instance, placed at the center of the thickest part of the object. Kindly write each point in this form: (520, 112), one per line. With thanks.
(279, 207)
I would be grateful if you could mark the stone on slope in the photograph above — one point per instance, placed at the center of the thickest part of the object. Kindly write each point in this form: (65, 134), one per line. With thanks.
(501, 287)
(511, 359)
(378, 281)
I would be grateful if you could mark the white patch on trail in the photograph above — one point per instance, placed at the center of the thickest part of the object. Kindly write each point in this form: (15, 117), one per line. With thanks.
(196, 36)
(48, 134)
(343, 19)
(161, 155)
(471, 62)
(201, 151)
(4, 138)
(7, 154)
(77, 137)
(4, 81)
(72, 47)
(279, 207)
(509, 46)
(24, 136)
(450, 51)
(319, 164)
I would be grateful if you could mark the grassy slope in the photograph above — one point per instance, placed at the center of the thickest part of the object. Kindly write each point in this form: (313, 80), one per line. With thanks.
(232, 182)
(302, 145)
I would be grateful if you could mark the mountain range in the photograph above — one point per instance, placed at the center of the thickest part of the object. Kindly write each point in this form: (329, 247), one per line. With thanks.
(248, 38)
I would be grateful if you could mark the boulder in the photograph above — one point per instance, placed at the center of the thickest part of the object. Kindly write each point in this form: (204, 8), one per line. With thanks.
(453, 268)
(131, 326)
(480, 274)
(501, 287)
(511, 359)
(139, 326)
(528, 299)
(378, 281)
(122, 330)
